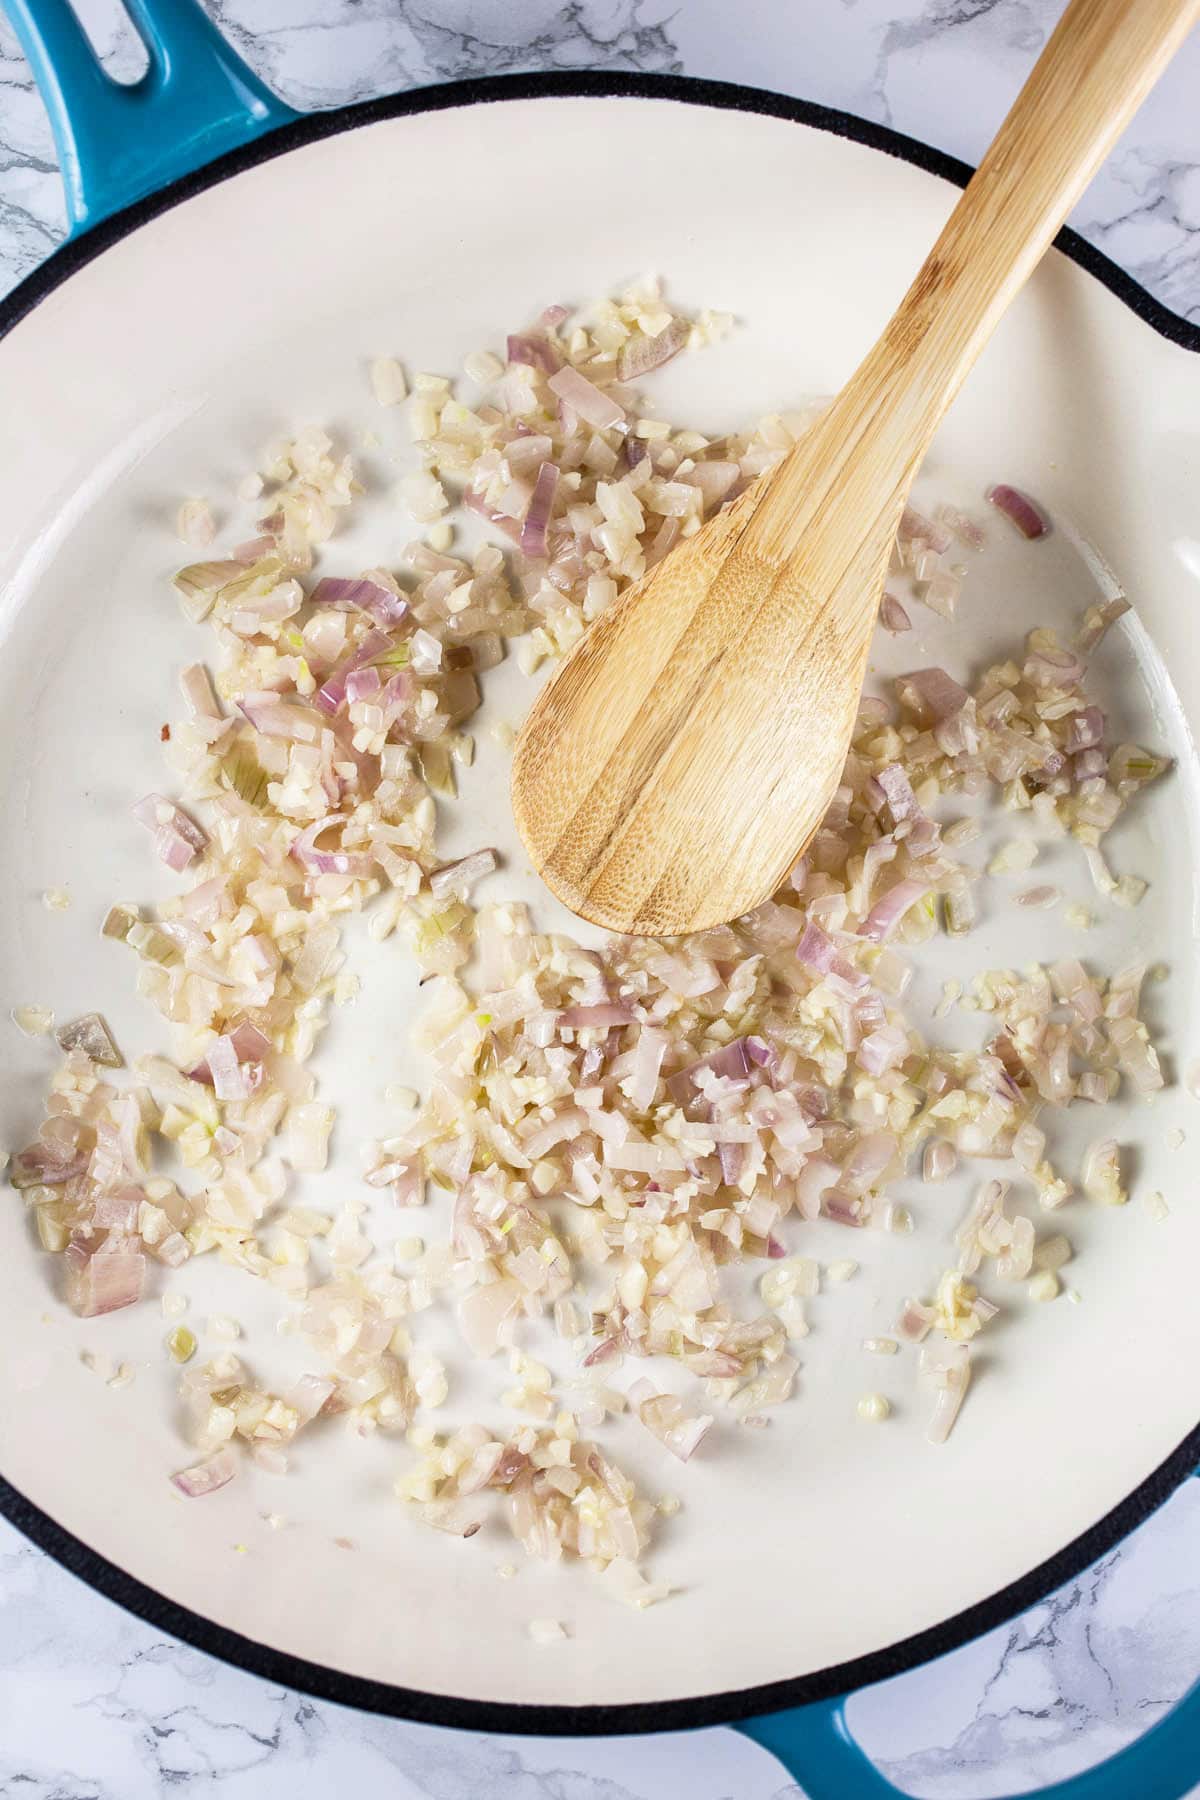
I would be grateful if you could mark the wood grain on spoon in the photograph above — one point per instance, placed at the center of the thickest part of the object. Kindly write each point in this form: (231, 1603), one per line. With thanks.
(677, 763)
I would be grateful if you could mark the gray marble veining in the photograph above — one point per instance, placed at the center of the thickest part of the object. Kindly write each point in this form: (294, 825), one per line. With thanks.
(96, 1706)
(941, 70)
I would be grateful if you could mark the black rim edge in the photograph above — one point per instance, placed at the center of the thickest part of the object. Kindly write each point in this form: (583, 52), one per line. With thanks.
(507, 1717)
(724, 96)
(710, 1709)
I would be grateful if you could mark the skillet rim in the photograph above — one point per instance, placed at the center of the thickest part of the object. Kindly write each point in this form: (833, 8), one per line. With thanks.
(502, 1717)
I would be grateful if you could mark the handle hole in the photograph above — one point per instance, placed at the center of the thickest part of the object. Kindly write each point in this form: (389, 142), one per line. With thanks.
(111, 34)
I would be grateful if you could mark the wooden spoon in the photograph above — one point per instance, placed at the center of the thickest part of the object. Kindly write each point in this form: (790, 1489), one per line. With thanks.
(679, 760)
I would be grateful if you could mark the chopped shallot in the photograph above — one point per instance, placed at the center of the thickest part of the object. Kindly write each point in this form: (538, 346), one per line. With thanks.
(582, 395)
(666, 1417)
(91, 1036)
(892, 615)
(887, 912)
(206, 1477)
(104, 1279)
(541, 505)
(1101, 1178)
(460, 877)
(177, 837)
(387, 609)
(641, 353)
(947, 1369)
(1097, 621)
(484, 1313)
(646, 1118)
(940, 1160)
(1024, 513)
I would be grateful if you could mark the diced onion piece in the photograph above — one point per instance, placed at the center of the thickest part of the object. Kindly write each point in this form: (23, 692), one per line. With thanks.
(888, 911)
(387, 381)
(648, 1056)
(484, 1312)
(230, 1078)
(331, 695)
(915, 1321)
(534, 349)
(387, 609)
(177, 837)
(898, 792)
(1098, 620)
(641, 353)
(453, 1517)
(940, 1160)
(680, 1432)
(916, 528)
(873, 1408)
(91, 1035)
(328, 862)
(601, 1017)
(816, 949)
(931, 694)
(947, 1368)
(1016, 1261)
(883, 1049)
(309, 1126)
(460, 877)
(1051, 667)
(541, 506)
(585, 398)
(199, 584)
(1101, 1173)
(195, 524)
(308, 1395)
(196, 685)
(942, 593)
(1085, 729)
(206, 1477)
(892, 615)
(1136, 1054)
(1023, 512)
(106, 1279)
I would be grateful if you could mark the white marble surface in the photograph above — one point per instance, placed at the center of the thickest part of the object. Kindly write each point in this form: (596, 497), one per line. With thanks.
(942, 70)
(96, 1706)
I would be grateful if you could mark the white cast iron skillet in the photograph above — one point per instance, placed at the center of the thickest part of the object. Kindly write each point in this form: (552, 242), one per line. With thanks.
(150, 358)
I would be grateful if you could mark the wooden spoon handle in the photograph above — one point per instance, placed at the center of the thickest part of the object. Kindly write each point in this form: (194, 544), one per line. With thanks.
(854, 469)
(1097, 68)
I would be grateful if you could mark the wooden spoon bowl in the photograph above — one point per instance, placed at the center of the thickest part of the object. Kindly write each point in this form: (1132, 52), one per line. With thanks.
(680, 759)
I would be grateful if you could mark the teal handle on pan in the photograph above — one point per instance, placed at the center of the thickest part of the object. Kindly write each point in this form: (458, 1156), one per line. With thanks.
(815, 1747)
(117, 143)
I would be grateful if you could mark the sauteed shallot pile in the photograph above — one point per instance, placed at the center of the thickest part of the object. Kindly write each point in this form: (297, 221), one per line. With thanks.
(607, 1136)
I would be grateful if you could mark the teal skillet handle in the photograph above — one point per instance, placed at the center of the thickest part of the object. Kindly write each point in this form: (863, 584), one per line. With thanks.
(117, 143)
(815, 1747)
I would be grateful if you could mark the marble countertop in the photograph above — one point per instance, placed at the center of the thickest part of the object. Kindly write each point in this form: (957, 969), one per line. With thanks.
(96, 1706)
(941, 70)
